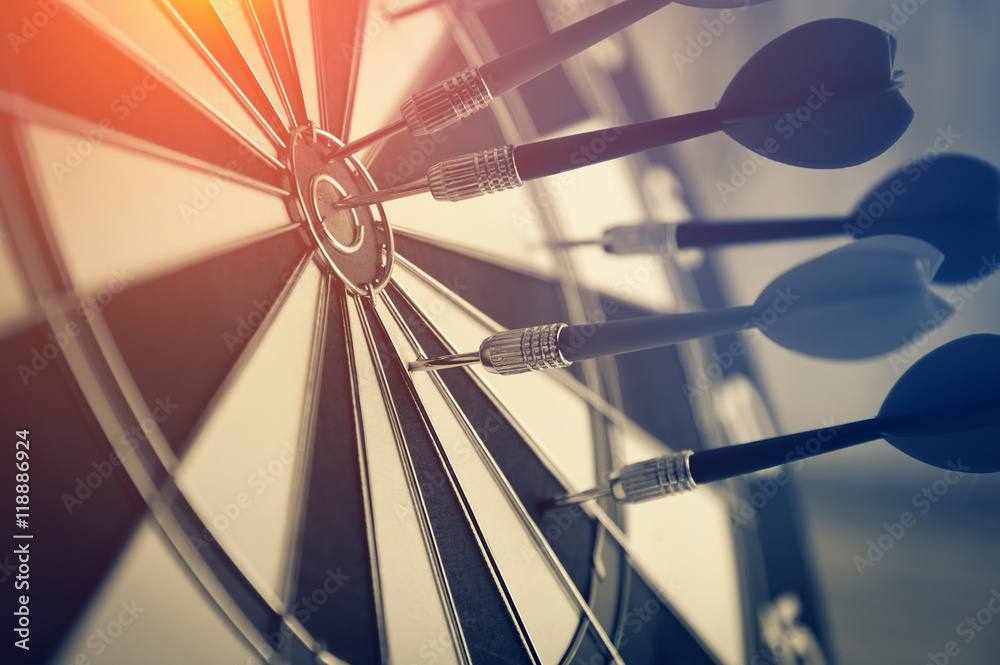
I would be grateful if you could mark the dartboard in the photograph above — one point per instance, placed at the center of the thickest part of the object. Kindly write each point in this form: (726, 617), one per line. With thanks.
(206, 357)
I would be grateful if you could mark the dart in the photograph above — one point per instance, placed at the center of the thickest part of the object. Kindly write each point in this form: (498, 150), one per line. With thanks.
(823, 95)
(473, 89)
(858, 301)
(943, 411)
(953, 203)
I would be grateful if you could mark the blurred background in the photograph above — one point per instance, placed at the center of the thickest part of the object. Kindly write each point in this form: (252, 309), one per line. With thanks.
(945, 568)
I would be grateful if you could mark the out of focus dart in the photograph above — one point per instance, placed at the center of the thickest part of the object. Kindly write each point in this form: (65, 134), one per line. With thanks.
(858, 301)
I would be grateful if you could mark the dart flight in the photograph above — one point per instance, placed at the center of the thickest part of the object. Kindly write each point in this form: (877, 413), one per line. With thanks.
(473, 89)
(823, 95)
(858, 301)
(952, 202)
(943, 411)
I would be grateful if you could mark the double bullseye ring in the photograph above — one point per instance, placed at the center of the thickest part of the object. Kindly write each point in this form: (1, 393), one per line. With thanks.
(355, 244)
(318, 205)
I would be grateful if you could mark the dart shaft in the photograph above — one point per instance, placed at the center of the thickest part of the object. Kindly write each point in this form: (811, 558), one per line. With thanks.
(733, 232)
(683, 471)
(659, 236)
(444, 362)
(500, 169)
(559, 345)
(909, 430)
(473, 89)
(653, 236)
(728, 462)
(523, 64)
(463, 94)
(383, 195)
(553, 156)
(369, 139)
(558, 155)
(714, 234)
(580, 342)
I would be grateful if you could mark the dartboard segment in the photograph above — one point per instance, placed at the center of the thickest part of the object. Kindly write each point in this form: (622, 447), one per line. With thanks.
(209, 34)
(542, 595)
(335, 525)
(339, 35)
(588, 548)
(182, 333)
(48, 70)
(79, 493)
(492, 630)
(270, 26)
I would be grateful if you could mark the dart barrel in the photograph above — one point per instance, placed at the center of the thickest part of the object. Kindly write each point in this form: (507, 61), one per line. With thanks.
(642, 481)
(523, 350)
(475, 174)
(446, 102)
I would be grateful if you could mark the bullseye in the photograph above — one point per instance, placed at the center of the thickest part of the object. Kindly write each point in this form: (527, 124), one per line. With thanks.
(354, 244)
(320, 201)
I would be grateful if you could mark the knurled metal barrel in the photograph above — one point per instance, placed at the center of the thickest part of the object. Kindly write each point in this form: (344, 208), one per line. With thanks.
(669, 474)
(446, 102)
(475, 174)
(523, 350)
